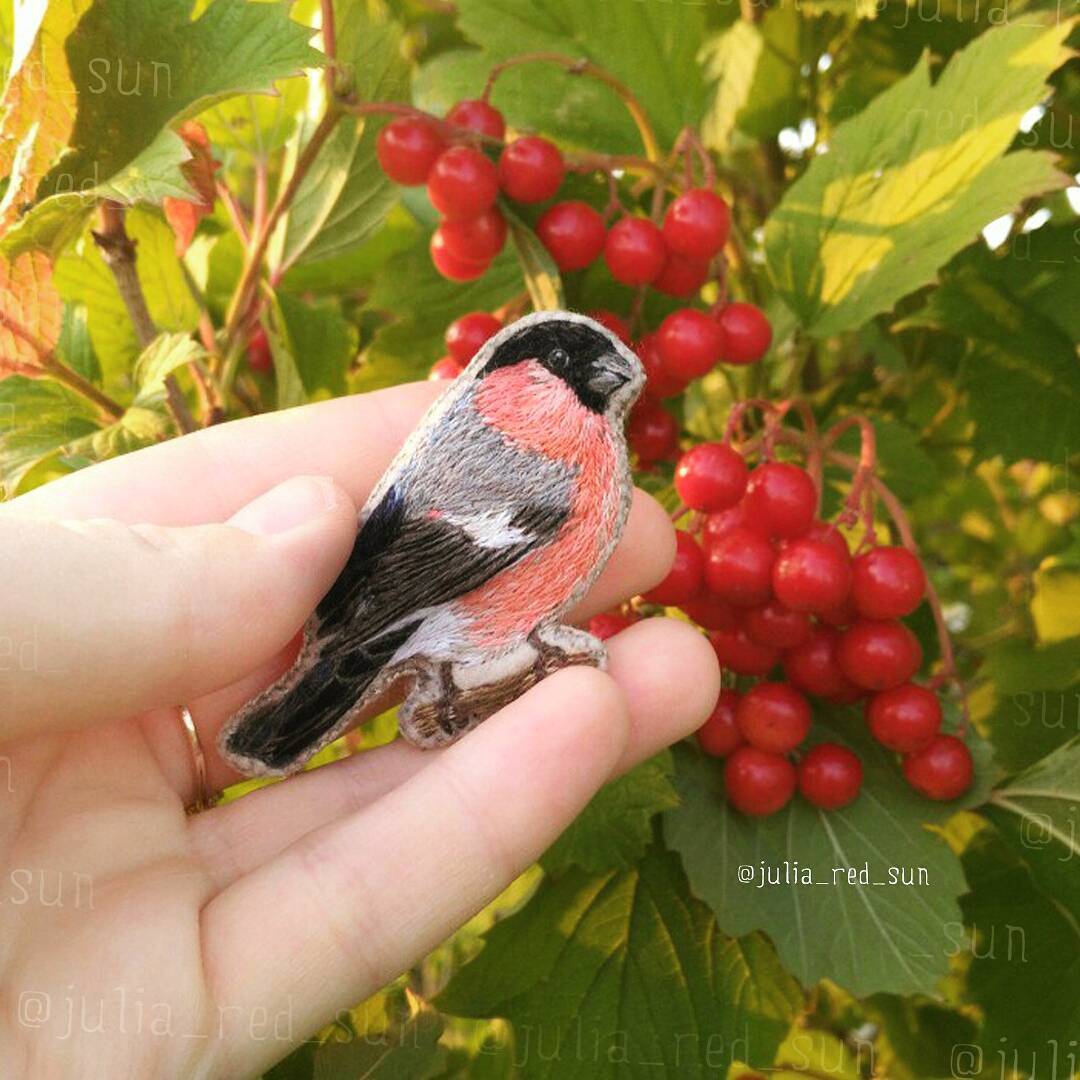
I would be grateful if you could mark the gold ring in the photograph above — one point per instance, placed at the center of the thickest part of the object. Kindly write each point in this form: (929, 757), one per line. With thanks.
(203, 798)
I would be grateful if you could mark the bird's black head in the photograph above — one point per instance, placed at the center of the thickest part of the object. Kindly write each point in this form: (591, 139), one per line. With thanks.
(604, 373)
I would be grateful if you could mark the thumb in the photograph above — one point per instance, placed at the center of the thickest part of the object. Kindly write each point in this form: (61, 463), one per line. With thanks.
(100, 620)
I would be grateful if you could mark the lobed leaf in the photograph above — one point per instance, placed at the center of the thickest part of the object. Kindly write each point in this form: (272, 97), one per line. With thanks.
(912, 179)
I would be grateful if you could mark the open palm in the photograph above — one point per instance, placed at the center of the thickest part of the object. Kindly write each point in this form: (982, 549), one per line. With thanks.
(136, 940)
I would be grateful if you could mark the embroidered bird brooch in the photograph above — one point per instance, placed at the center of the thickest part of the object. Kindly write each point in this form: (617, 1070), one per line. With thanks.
(491, 522)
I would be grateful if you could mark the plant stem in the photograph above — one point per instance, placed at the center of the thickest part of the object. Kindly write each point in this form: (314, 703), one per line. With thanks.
(118, 251)
(233, 209)
(50, 364)
(247, 287)
(582, 66)
(74, 381)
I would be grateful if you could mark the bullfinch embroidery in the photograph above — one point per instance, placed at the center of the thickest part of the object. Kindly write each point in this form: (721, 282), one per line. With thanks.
(491, 522)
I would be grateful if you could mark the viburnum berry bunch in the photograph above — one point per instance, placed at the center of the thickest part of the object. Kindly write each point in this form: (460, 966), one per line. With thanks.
(476, 174)
(795, 615)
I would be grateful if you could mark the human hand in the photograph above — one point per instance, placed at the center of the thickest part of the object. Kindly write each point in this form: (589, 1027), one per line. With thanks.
(208, 945)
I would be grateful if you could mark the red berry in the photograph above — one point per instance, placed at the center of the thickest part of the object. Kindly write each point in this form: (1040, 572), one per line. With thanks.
(573, 233)
(887, 583)
(778, 626)
(690, 343)
(681, 276)
(466, 335)
(462, 183)
(747, 333)
(615, 323)
(452, 266)
(738, 567)
(813, 666)
(942, 770)
(446, 368)
(721, 522)
(720, 735)
(842, 616)
(711, 476)
(829, 534)
(711, 612)
(758, 783)
(634, 251)
(905, 718)
(477, 115)
(610, 623)
(531, 169)
(737, 652)
(653, 433)
(781, 499)
(258, 351)
(475, 239)
(811, 575)
(658, 382)
(878, 654)
(407, 148)
(697, 224)
(683, 581)
(774, 717)
(830, 776)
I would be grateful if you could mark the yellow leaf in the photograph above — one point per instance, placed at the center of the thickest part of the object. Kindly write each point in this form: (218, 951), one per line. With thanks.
(37, 111)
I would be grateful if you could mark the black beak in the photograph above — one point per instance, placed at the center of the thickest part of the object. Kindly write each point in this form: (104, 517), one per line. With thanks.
(609, 372)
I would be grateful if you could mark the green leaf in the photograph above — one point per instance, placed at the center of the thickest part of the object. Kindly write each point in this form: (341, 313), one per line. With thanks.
(614, 830)
(1035, 704)
(345, 197)
(607, 976)
(650, 47)
(160, 359)
(50, 226)
(37, 418)
(1024, 973)
(1038, 811)
(290, 387)
(406, 1051)
(141, 425)
(138, 67)
(775, 97)
(1014, 310)
(875, 933)
(424, 304)
(537, 266)
(729, 61)
(74, 347)
(912, 179)
(322, 342)
(82, 277)
(257, 123)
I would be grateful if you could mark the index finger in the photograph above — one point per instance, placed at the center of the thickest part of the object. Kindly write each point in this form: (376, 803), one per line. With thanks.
(208, 475)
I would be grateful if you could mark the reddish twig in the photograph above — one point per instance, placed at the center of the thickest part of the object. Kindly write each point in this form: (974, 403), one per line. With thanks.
(582, 66)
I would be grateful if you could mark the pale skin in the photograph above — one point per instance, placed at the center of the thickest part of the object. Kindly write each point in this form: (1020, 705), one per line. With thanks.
(209, 945)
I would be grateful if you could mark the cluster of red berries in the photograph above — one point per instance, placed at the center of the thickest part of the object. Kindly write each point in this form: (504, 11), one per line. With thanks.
(674, 257)
(687, 345)
(777, 587)
(463, 183)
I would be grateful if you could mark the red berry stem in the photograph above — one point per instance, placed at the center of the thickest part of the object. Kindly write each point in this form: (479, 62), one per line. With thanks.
(863, 476)
(582, 66)
(690, 145)
(895, 509)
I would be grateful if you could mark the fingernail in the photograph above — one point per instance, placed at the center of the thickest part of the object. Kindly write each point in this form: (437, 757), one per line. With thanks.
(293, 502)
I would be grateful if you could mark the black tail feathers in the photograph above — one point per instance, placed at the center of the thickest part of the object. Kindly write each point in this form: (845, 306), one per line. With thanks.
(284, 727)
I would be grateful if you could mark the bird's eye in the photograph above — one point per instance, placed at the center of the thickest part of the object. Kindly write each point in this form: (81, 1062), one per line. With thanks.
(558, 358)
